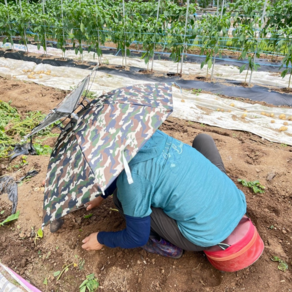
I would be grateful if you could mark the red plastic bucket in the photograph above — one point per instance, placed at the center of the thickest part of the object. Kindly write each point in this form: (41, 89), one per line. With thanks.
(246, 246)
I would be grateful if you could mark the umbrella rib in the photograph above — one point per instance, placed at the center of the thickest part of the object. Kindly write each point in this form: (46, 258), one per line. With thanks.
(88, 163)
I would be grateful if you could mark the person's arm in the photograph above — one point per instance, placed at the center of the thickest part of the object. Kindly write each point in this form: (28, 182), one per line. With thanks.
(136, 234)
(135, 201)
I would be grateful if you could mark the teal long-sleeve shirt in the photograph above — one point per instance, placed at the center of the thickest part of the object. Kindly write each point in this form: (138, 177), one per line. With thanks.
(175, 177)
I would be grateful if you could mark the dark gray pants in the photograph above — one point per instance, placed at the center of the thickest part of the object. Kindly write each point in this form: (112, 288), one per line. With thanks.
(165, 226)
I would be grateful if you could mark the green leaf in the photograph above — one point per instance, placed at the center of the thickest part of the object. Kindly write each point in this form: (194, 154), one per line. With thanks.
(42, 150)
(283, 266)
(284, 73)
(40, 233)
(256, 66)
(242, 68)
(275, 259)
(45, 281)
(82, 289)
(56, 274)
(2, 212)
(90, 277)
(10, 218)
(83, 283)
(82, 28)
(87, 216)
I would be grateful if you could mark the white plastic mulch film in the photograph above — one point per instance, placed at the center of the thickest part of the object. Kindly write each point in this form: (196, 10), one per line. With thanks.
(10, 281)
(270, 79)
(271, 123)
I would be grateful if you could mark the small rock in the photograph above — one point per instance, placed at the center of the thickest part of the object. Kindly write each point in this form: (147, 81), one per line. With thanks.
(270, 176)
(143, 253)
(22, 235)
(284, 231)
(119, 254)
(78, 220)
(257, 170)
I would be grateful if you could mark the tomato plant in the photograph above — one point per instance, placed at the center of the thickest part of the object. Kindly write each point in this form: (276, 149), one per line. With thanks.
(155, 24)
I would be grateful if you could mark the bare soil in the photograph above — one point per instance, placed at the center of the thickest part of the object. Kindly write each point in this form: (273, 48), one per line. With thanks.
(245, 156)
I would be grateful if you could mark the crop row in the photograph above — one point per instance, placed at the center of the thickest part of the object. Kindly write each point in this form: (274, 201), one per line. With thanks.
(247, 26)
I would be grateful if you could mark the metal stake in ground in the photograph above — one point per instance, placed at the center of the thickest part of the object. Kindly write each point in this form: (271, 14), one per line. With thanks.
(25, 38)
(11, 40)
(62, 12)
(124, 33)
(184, 44)
(99, 57)
(157, 17)
(44, 2)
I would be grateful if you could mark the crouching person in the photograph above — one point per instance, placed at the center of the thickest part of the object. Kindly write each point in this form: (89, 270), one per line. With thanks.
(181, 199)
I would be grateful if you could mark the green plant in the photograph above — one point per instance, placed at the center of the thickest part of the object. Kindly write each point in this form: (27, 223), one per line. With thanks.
(197, 91)
(10, 218)
(87, 216)
(81, 264)
(42, 149)
(286, 44)
(91, 284)
(14, 126)
(65, 269)
(282, 266)
(254, 185)
(39, 235)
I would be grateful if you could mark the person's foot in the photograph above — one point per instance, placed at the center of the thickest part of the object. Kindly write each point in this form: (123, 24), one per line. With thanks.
(94, 203)
(163, 248)
(56, 225)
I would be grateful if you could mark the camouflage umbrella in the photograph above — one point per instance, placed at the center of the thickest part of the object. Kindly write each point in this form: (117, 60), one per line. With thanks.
(91, 153)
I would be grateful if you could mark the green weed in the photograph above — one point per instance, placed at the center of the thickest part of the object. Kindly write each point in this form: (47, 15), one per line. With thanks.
(254, 185)
(14, 126)
(197, 91)
(10, 218)
(91, 284)
(282, 266)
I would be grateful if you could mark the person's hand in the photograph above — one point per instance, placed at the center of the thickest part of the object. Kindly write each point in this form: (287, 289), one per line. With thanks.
(94, 203)
(91, 242)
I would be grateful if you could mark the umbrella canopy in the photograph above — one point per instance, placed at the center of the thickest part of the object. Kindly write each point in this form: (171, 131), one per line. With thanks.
(91, 153)
(64, 109)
